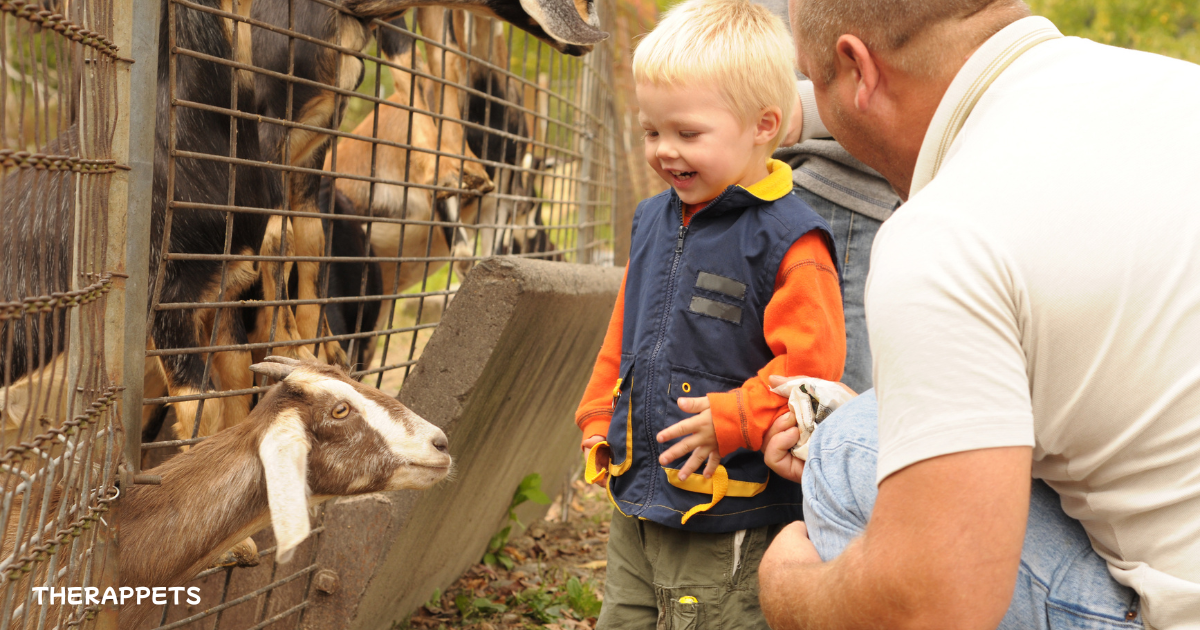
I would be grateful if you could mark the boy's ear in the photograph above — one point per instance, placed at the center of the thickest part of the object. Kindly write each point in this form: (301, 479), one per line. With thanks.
(770, 124)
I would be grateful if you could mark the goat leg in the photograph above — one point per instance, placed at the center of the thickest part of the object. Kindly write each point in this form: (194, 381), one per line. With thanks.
(281, 318)
(456, 236)
(229, 369)
(243, 554)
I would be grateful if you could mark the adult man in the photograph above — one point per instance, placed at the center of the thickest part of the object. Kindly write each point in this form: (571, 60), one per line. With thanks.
(1033, 307)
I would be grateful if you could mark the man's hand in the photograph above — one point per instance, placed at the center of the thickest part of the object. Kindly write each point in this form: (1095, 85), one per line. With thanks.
(603, 456)
(701, 439)
(791, 555)
(795, 126)
(777, 448)
(942, 549)
(792, 545)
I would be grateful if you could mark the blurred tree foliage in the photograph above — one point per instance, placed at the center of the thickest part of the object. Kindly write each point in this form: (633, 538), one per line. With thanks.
(1167, 27)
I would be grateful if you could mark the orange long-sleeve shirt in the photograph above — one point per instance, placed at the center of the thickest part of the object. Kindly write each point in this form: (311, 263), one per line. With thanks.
(803, 325)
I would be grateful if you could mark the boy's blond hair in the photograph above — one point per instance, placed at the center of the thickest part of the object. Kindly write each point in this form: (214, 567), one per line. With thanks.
(740, 48)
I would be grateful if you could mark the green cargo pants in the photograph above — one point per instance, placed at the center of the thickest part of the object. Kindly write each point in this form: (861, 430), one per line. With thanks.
(669, 579)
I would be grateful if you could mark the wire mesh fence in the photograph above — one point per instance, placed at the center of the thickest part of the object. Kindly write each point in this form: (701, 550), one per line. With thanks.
(317, 186)
(331, 180)
(62, 438)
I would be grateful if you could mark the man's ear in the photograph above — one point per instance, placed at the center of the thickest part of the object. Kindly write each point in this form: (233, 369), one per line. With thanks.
(770, 121)
(854, 60)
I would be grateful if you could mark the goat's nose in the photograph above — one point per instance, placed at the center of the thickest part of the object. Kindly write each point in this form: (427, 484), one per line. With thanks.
(440, 443)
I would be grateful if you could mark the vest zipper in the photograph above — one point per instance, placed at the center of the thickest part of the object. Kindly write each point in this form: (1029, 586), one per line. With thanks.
(662, 331)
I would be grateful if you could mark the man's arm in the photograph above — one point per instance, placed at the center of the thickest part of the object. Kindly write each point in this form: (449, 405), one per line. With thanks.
(805, 122)
(941, 550)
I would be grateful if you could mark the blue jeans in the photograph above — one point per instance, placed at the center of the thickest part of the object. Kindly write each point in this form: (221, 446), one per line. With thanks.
(1061, 583)
(853, 235)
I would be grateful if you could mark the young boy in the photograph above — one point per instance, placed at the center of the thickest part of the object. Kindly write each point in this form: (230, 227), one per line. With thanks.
(730, 280)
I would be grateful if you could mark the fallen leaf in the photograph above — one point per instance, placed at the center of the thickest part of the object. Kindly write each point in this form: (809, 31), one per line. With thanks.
(595, 564)
(515, 554)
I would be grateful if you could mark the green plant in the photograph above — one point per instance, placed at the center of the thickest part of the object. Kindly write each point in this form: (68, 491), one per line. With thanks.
(530, 489)
(470, 607)
(1166, 27)
(581, 597)
(544, 607)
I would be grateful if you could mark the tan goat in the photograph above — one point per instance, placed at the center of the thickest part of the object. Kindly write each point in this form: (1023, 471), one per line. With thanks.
(460, 170)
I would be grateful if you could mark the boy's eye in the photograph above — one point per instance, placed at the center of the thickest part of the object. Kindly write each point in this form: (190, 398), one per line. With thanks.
(689, 134)
(651, 134)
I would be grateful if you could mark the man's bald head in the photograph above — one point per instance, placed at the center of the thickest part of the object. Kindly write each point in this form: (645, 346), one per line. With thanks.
(895, 28)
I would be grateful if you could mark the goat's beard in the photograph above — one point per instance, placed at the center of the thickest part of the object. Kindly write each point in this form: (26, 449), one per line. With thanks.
(416, 477)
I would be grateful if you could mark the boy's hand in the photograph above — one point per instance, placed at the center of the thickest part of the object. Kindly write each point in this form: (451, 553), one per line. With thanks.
(777, 448)
(701, 439)
(602, 456)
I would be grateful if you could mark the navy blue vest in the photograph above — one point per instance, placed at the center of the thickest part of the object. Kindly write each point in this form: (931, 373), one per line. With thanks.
(693, 324)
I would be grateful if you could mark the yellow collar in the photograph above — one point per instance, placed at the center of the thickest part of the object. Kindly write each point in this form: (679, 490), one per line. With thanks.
(775, 185)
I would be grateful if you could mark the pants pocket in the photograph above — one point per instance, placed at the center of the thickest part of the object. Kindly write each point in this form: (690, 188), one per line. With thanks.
(1086, 597)
(687, 608)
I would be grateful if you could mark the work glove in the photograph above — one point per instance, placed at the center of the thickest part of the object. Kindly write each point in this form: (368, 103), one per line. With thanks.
(811, 400)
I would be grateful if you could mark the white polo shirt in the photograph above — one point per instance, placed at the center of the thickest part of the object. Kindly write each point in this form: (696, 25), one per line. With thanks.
(1041, 288)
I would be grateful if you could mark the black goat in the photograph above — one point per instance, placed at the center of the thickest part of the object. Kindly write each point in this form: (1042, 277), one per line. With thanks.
(197, 180)
(346, 279)
(568, 26)
(183, 175)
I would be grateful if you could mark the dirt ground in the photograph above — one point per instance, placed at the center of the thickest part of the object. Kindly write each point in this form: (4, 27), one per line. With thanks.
(556, 580)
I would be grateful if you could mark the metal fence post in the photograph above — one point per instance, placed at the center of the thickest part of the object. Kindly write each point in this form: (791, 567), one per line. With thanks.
(135, 33)
(143, 81)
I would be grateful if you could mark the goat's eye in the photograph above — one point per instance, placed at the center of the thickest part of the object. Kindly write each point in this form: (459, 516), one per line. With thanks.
(341, 411)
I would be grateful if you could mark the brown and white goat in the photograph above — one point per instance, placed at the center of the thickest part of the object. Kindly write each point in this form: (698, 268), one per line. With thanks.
(316, 435)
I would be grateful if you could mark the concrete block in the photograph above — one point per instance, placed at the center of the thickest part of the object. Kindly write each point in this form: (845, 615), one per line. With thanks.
(502, 375)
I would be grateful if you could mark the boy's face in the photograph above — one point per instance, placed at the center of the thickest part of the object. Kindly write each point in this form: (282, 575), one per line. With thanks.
(696, 143)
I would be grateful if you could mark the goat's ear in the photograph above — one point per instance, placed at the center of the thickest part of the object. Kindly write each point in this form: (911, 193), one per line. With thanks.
(277, 368)
(563, 21)
(284, 455)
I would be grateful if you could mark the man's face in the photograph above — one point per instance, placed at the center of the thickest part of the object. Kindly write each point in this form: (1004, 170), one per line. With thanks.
(865, 133)
(695, 142)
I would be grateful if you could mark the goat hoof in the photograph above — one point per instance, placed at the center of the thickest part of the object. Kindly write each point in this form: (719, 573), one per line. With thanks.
(477, 184)
(462, 267)
(243, 554)
(333, 354)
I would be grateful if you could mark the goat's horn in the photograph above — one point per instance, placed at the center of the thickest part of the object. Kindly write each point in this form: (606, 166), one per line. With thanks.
(275, 369)
(274, 358)
(564, 20)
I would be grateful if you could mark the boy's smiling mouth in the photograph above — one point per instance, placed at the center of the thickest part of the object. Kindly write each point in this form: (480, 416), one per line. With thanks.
(681, 176)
